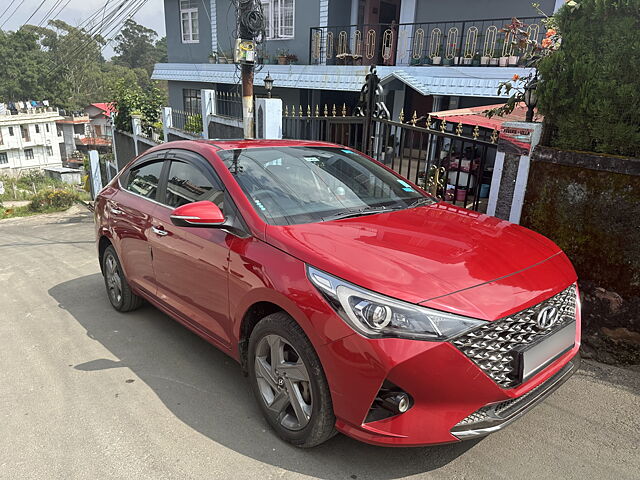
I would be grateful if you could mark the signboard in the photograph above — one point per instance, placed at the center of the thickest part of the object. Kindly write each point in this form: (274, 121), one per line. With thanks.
(515, 140)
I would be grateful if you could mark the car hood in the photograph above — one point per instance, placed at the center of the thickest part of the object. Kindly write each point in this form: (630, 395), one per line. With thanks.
(423, 253)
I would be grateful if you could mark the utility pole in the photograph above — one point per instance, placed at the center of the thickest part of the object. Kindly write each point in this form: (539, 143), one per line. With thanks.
(245, 9)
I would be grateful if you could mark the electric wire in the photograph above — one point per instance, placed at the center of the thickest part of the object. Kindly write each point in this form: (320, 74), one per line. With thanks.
(12, 14)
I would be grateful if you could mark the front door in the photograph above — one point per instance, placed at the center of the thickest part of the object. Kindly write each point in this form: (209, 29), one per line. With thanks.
(191, 263)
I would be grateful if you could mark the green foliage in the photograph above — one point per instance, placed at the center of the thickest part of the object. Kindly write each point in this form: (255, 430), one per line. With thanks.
(131, 99)
(53, 199)
(137, 47)
(590, 95)
(193, 123)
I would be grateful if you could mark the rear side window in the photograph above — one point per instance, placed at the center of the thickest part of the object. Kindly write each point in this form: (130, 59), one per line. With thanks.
(144, 179)
(187, 184)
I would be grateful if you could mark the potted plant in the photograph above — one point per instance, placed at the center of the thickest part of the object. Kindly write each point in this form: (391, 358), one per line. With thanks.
(447, 61)
(494, 61)
(513, 60)
(213, 57)
(436, 60)
(467, 60)
(476, 60)
(283, 56)
(292, 59)
(504, 61)
(485, 60)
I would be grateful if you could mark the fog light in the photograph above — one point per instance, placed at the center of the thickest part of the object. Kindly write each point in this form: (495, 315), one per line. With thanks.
(396, 402)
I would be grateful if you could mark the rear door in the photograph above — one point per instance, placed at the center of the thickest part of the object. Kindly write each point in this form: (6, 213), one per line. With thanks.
(131, 212)
(191, 263)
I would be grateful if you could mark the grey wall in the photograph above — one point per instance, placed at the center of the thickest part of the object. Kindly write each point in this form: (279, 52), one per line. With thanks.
(453, 10)
(179, 52)
(339, 12)
(175, 92)
(307, 16)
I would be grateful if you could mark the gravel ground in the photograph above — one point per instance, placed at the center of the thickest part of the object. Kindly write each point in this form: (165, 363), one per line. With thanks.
(88, 393)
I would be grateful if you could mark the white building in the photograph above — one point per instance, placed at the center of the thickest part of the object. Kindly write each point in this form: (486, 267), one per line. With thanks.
(30, 140)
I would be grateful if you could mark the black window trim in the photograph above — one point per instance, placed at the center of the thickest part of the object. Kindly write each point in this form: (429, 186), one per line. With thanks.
(140, 162)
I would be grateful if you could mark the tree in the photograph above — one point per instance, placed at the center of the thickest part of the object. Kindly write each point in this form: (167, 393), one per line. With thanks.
(129, 99)
(21, 75)
(136, 47)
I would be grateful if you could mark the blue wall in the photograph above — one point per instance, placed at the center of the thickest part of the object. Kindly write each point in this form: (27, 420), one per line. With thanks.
(453, 10)
(179, 52)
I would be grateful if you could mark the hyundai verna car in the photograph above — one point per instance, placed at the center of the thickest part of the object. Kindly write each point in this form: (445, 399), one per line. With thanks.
(354, 301)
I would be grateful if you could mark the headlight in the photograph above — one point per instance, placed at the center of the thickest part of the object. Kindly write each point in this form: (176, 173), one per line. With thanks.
(376, 316)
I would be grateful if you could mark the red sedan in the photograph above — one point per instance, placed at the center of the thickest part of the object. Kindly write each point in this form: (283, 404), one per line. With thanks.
(354, 301)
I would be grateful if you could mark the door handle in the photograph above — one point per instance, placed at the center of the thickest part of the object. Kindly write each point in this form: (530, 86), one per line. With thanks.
(159, 231)
(115, 211)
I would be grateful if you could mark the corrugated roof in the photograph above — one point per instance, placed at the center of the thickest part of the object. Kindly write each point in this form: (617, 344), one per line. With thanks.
(450, 80)
(475, 116)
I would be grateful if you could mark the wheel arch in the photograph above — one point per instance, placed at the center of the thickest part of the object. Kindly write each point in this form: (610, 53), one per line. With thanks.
(252, 316)
(103, 243)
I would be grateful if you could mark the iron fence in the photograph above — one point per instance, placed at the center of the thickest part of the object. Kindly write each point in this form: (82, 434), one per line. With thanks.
(452, 161)
(187, 122)
(460, 42)
(229, 104)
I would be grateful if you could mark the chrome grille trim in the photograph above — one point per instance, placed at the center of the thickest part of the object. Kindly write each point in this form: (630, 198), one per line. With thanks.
(491, 346)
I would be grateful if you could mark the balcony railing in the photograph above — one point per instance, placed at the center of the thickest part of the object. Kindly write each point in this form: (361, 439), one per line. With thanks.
(460, 42)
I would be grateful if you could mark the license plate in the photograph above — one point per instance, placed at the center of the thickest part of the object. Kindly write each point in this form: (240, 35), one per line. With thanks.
(538, 355)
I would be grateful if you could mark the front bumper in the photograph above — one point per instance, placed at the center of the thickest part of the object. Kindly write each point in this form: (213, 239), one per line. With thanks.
(495, 417)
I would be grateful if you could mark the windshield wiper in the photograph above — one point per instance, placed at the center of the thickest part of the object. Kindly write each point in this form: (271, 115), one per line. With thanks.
(421, 201)
(356, 213)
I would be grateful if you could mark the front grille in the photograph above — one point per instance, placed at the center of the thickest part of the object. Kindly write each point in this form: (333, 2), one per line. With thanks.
(492, 345)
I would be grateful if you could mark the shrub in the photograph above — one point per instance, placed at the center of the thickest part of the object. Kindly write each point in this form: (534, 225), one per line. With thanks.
(590, 89)
(53, 199)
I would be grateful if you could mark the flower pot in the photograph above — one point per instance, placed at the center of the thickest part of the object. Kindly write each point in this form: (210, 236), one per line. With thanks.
(504, 61)
(456, 60)
(212, 59)
(513, 60)
(436, 60)
(494, 62)
(467, 61)
(415, 61)
(447, 61)
(282, 60)
(460, 194)
(484, 60)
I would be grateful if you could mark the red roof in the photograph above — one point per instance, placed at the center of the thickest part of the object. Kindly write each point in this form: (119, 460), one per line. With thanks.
(475, 116)
(105, 107)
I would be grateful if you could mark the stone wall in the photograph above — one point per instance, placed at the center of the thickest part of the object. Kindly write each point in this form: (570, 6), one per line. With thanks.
(590, 206)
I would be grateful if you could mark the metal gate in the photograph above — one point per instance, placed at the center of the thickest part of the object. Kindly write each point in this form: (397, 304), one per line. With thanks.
(452, 161)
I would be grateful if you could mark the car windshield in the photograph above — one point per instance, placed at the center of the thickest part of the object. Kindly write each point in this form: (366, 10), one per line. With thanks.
(291, 185)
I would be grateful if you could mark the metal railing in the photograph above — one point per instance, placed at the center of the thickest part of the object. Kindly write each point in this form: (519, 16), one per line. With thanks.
(460, 42)
(229, 104)
(188, 122)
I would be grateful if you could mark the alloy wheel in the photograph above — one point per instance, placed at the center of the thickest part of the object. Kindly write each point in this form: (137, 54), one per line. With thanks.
(283, 381)
(114, 280)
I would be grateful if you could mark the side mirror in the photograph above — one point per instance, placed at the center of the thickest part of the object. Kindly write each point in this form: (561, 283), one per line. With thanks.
(198, 214)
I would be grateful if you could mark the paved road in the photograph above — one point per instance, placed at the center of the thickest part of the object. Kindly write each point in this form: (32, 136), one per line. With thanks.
(88, 393)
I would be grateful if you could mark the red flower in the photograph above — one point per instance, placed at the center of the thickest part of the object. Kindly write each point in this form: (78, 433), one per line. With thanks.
(515, 77)
(551, 32)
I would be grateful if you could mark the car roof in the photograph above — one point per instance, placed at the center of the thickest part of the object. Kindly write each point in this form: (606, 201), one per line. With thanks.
(242, 143)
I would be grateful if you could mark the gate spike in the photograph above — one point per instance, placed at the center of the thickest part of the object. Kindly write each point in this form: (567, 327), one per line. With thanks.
(476, 132)
(443, 125)
(301, 111)
(494, 136)
(459, 129)
(401, 117)
(317, 110)
(344, 109)
(309, 111)
(414, 118)
(333, 110)
(286, 110)
(429, 121)
(326, 110)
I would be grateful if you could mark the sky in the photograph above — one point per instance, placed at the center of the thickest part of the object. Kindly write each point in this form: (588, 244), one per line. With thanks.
(151, 15)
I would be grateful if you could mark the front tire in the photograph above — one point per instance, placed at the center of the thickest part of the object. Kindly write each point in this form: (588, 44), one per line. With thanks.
(119, 291)
(289, 383)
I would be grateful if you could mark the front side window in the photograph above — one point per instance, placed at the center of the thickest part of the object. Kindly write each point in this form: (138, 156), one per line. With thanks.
(187, 184)
(144, 179)
(290, 185)
(189, 21)
(3, 158)
(279, 18)
(192, 99)
(49, 150)
(28, 153)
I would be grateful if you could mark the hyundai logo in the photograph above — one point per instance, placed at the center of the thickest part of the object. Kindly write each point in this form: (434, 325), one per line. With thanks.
(547, 317)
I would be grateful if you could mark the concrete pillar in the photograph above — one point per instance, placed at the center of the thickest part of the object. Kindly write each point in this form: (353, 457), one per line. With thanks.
(511, 169)
(136, 127)
(268, 118)
(94, 173)
(208, 104)
(167, 122)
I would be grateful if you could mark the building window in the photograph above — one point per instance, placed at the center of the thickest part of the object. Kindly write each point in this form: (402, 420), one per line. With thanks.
(28, 153)
(189, 21)
(4, 158)
(46, 125)
(279, 18)
(11, 131)
(49, 150)
(37, 128)
(192, 101)
(24, 129)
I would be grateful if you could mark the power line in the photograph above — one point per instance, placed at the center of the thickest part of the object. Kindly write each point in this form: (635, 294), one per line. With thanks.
(12, 14)
(35, 11)
(46, 16)
(6, 9)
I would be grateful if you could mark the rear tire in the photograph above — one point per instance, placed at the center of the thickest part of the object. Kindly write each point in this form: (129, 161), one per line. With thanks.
(119, 291)
(289, 383)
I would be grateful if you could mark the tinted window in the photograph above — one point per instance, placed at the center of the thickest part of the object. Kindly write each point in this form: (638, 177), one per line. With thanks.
(290, 185)
(144, 179)
(187, 184)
